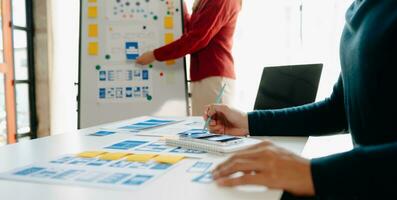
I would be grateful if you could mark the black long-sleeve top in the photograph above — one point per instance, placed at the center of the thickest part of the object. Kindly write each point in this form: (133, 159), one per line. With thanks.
(363, 102)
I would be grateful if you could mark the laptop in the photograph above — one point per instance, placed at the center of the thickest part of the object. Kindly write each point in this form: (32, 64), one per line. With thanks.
(288, 86)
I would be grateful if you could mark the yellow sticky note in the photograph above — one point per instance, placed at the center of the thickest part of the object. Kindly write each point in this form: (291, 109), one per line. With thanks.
(93, 30)
(168, 22)
(140, 157)
(171, 159)
(170, 62)
(168, 38)
(91, 1)
(93, 48)
(90, 154)
(113, 156)
(92, 12)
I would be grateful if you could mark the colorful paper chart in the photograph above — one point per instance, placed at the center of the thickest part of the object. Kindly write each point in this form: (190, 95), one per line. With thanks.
(96, 168)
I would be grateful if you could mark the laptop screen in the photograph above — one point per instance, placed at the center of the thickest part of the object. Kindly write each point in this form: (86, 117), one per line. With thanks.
(287, 86)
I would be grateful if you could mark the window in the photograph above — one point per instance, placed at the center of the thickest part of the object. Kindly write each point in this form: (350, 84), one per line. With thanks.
(23, 68)
(17, 97)
(282, 32)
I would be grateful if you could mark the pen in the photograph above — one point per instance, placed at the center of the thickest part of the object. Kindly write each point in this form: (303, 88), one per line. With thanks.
(217, 101)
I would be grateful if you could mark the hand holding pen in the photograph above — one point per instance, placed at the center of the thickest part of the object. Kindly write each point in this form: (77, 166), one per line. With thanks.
(221, 119)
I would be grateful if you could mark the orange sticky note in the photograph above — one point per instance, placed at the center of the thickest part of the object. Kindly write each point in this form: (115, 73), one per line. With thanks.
(93, 48)
(140, 157)
(92, 12)
(170, 62)
(168, 22)
(171, 159)
(90, 154)
(113, 156)
(93, 30)
(168, 38)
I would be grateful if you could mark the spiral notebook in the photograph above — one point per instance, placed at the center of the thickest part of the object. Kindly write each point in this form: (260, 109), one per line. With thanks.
(211, 148)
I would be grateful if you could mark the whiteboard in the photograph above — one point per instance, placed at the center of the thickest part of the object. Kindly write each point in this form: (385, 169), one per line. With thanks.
(113, 33)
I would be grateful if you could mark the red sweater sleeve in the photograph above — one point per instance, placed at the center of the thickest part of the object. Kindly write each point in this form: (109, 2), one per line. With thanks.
(186, 18)
(209, 20)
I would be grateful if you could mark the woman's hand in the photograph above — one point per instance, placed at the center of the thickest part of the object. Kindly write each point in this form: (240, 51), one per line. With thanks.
(146, 58)
(268, 165)
(225, 120)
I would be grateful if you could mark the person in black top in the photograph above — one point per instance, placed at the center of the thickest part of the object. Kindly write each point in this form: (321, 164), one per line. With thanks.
(363, 102)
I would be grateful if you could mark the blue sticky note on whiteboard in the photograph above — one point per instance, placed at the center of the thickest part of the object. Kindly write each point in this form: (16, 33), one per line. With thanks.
(102, 93)
(145, 74)
(131, 50)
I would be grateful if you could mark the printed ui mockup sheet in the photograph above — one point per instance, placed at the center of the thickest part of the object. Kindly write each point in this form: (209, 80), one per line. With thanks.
(116, 170)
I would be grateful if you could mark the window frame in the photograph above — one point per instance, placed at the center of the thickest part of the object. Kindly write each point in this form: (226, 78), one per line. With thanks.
(30, 81)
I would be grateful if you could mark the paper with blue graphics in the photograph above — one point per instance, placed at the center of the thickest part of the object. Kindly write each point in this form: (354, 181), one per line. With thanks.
(147, 124)
(90, 172)
(102, 133)
(199, 167)
(155, 147)
(126, 145)
(205, 178)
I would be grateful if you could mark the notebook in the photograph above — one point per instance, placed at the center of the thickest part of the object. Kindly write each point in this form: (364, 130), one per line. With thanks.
(211, 148)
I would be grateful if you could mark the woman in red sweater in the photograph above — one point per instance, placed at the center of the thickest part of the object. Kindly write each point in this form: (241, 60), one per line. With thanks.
(208, 38)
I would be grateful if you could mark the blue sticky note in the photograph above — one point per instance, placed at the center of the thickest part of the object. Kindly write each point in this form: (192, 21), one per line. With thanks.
(145, 74)
(102, 75)
(131, 50)
(102, 93)
(128, 92)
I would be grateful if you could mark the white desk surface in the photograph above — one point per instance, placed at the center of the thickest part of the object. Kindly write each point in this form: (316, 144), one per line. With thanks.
(174, 185)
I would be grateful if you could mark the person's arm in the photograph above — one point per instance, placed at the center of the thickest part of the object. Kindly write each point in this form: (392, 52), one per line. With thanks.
(363, 172)
(318, 118)
(212, 18)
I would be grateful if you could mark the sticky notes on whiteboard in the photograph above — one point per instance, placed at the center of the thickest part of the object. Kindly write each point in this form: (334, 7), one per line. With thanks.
(170, 62)
(170, 159)
(168, 22)
(168, 38)
(131, 50)
(92, 12)
(93, 30)
(93, 48)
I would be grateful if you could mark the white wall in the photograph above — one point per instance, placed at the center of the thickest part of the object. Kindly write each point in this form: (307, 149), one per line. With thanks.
(269, 33)
(64, 73)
